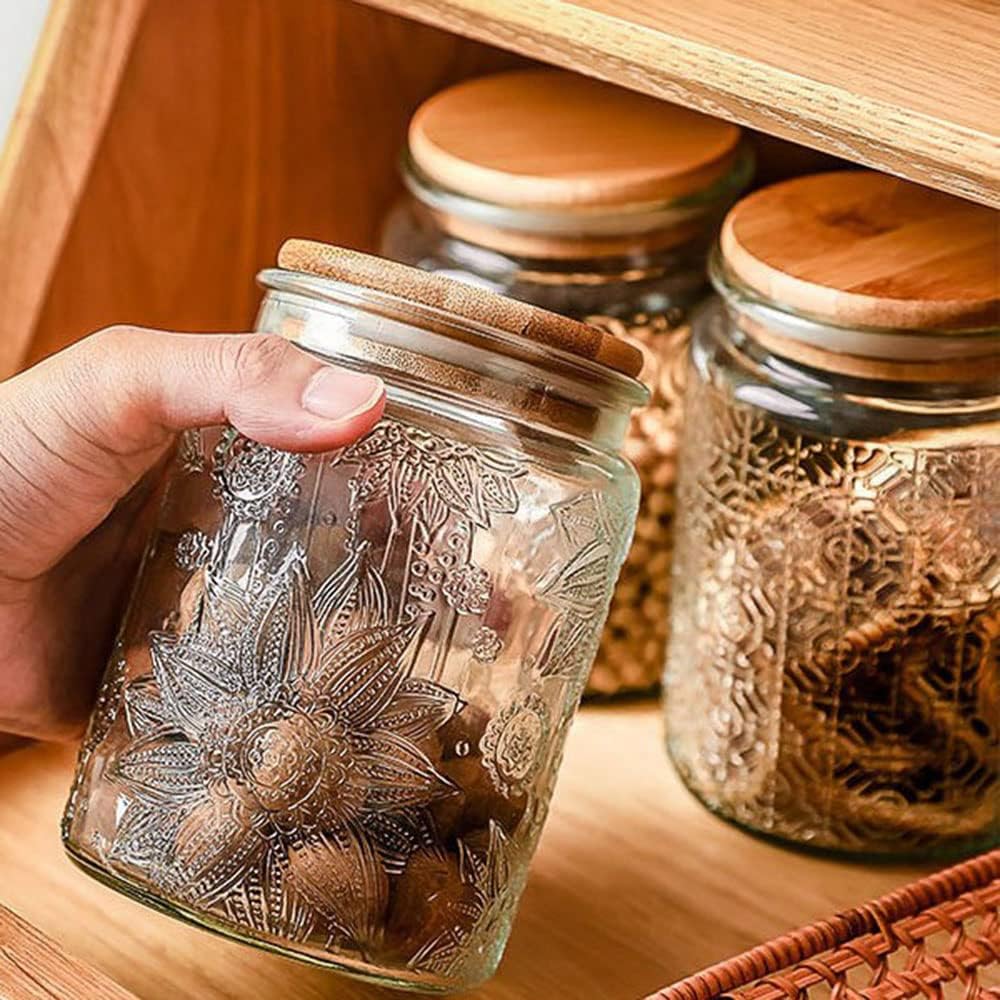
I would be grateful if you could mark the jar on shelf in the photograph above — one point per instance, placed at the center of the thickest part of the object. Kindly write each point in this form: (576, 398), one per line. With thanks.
(334, 716)
(597, 203)
(834, 672)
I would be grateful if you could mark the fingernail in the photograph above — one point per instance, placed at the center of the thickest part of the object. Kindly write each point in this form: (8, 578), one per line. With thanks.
(339, 394)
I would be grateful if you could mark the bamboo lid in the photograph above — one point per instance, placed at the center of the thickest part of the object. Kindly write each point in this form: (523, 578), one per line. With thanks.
(462, 300)
(862, 249)
(551, 139)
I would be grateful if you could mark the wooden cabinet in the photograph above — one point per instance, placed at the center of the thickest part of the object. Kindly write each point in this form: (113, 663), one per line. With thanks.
(162, 152)
(165, 148)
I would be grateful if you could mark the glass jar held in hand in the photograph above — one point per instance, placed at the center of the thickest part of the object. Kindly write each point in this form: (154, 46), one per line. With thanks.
(334, 718)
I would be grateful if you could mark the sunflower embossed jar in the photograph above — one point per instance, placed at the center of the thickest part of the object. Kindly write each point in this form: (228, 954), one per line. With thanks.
(834, 672)
(597, 203)
(334, 715)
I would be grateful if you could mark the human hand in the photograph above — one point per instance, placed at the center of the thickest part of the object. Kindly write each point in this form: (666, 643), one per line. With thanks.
(78, 434)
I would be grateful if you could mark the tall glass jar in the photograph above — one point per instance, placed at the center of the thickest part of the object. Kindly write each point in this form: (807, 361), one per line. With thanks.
(334, 716)
(834, 672)
(598, 203)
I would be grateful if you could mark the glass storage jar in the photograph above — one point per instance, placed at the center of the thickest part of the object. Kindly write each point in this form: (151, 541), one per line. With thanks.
(834, 672)
(598, 203)
(333, 719)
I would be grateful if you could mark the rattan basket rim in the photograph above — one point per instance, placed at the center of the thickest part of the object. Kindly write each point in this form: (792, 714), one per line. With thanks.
(806, 943)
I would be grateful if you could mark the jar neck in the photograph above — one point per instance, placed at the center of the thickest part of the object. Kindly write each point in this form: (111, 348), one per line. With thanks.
(621, 287)
(422, 351)
(919, 412)
(906, 357)
(583, 259)
(570, 245)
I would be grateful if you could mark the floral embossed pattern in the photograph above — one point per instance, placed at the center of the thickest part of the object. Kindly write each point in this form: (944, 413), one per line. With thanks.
(835, 666)
(284, 759)
(335, 706)
(514, 742)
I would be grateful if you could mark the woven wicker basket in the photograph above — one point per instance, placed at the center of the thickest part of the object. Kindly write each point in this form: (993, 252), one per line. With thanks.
(936, 938)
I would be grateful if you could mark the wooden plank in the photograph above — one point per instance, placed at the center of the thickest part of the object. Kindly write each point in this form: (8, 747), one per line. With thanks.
(49, 150)
(634, 886)
(239, 123)
(911, 87)
(34, 967)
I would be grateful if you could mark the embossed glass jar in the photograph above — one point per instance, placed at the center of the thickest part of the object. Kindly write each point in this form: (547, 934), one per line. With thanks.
(335, 713)
(834, 672)
(598, 203)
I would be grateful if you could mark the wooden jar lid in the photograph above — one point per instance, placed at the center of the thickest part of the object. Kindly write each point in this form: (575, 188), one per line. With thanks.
(462, 300)
(862, 249)
(551, 139)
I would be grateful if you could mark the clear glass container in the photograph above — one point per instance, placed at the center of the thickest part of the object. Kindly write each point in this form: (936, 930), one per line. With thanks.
(834, 670)
(635, 271)
(334, 716)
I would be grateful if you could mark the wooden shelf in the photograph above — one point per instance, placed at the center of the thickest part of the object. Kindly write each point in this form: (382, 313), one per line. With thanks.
(911, 87)
(33, 966)
(634, 886)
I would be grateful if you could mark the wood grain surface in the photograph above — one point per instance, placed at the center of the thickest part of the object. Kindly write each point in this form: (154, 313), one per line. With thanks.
(460, 298)
(34, 967)
(48, 153)
(911, 87)
(634, 886)
(238, 123)
(859, 248)
(547, 138)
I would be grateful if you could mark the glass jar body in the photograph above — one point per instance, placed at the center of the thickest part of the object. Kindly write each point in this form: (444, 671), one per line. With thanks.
(334, 716)
(833, 672)
(644, 296)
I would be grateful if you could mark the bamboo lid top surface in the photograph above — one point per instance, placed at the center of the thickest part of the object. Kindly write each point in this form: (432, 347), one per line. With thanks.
(552, 139)
(858, 248)
(461, 300)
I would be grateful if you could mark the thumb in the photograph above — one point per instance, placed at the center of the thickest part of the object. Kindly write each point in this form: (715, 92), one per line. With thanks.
(78, 430)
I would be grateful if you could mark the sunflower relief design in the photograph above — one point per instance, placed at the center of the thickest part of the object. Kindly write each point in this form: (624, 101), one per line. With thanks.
(413, 468)
(194, 549)
(281, 761)
(487, 898)
(432, 495)
(467, 589)
(190, 452)
(486, 645)
(580, 587)
(252, 480)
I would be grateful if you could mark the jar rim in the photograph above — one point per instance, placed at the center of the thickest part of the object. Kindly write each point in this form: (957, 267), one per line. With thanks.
(834, 347)
(584, 222)
(606, 385)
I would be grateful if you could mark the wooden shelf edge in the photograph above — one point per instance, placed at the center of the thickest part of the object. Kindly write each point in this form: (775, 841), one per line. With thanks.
(919, 147)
